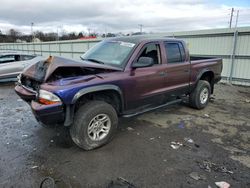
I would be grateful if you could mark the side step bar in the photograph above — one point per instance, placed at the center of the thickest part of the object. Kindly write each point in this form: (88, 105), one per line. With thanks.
(153, 108)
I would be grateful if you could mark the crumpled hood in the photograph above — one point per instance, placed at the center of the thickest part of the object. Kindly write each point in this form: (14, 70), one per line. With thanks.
(42, 70)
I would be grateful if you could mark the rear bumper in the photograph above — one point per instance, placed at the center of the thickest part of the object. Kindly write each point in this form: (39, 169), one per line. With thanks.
(47, 114)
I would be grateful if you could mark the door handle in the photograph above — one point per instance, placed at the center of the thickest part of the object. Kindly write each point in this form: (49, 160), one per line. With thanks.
(186, 70)
(162, 73)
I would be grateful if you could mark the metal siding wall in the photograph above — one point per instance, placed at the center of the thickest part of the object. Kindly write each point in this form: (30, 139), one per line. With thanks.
(242, 69)
(215, 46)
(243, 45)
(221, 45)
(209, 45)
(71, 49)
(226, 67)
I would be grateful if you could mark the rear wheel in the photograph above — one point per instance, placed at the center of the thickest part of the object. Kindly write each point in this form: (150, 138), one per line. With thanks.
(200, 96)
(94, 125)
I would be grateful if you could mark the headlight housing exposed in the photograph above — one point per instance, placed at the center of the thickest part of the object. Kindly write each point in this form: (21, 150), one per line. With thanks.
(47, 98)
(19, 78)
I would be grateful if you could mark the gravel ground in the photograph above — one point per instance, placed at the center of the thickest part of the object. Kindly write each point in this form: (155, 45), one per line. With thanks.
(214, 146)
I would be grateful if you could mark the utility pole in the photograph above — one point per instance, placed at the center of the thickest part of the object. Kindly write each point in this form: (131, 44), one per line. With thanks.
(32, 37)
(231, 18)
(57, 34)
(58, 29)
(105, 30)
(31, 30)
(140, 25)
(237, 17)
(234, 48)
(89, 31)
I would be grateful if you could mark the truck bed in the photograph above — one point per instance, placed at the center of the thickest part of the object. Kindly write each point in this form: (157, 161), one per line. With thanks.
(199, 58)
(213, 64)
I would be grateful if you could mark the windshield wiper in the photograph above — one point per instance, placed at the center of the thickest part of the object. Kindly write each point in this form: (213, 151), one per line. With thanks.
(94, 60)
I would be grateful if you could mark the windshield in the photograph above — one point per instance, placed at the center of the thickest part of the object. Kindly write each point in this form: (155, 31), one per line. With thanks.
(113, 53)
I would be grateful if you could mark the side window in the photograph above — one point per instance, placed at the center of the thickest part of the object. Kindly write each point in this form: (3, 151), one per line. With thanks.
(7, 59)
(183, 54)
(27, 57)
(17, 58)
(153, 51)
(173, 51)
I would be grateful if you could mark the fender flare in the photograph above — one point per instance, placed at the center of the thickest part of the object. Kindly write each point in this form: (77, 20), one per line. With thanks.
(91, 89)
(200, 75)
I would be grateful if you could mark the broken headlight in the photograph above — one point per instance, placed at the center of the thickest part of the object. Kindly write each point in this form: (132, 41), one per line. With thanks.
(19, 78)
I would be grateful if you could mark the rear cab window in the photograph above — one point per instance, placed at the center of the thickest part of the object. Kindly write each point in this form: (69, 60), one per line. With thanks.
(175, 52)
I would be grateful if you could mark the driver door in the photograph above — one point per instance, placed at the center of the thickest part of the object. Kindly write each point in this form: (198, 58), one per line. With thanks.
(146, 83)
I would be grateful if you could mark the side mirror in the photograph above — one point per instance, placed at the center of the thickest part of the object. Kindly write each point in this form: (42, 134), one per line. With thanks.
(143, 62)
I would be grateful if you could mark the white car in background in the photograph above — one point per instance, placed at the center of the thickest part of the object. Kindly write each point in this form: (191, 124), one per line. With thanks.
(13, 63)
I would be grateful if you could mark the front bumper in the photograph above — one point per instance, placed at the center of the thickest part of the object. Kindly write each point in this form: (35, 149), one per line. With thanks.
(25, 94)
(47, 114)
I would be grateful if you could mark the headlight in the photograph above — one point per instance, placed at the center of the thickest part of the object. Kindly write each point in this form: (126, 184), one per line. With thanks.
(46, 97)
(19, 78)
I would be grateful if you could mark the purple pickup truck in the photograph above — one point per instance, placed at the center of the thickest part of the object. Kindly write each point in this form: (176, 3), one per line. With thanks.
(123, 76)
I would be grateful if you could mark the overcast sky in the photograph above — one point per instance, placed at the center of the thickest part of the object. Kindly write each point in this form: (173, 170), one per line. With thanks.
(120, 15)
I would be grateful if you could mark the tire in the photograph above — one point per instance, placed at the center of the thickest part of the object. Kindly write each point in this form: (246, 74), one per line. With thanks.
(199, 98)
(91, 118)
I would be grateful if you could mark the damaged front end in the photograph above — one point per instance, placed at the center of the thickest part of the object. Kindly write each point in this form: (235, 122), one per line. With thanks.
(59, 71)
(47, 107)
(29, 81)
(40, 84)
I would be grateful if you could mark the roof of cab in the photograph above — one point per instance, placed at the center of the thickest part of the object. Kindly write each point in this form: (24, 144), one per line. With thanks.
(14, 53)
(142, 38)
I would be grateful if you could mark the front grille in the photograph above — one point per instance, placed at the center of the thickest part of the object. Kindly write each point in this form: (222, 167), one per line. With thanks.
(30, 83)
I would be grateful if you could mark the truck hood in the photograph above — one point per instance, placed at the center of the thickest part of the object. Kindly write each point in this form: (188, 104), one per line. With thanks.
(44, 70)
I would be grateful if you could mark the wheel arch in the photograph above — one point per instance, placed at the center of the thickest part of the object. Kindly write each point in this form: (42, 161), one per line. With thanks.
(97, 92)
(207, 75)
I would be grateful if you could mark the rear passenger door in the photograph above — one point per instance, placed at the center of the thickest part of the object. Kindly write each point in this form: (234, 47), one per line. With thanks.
(177, 68)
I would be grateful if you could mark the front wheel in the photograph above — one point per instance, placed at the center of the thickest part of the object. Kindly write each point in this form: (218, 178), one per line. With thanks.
(200, 96)
(94, 125)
